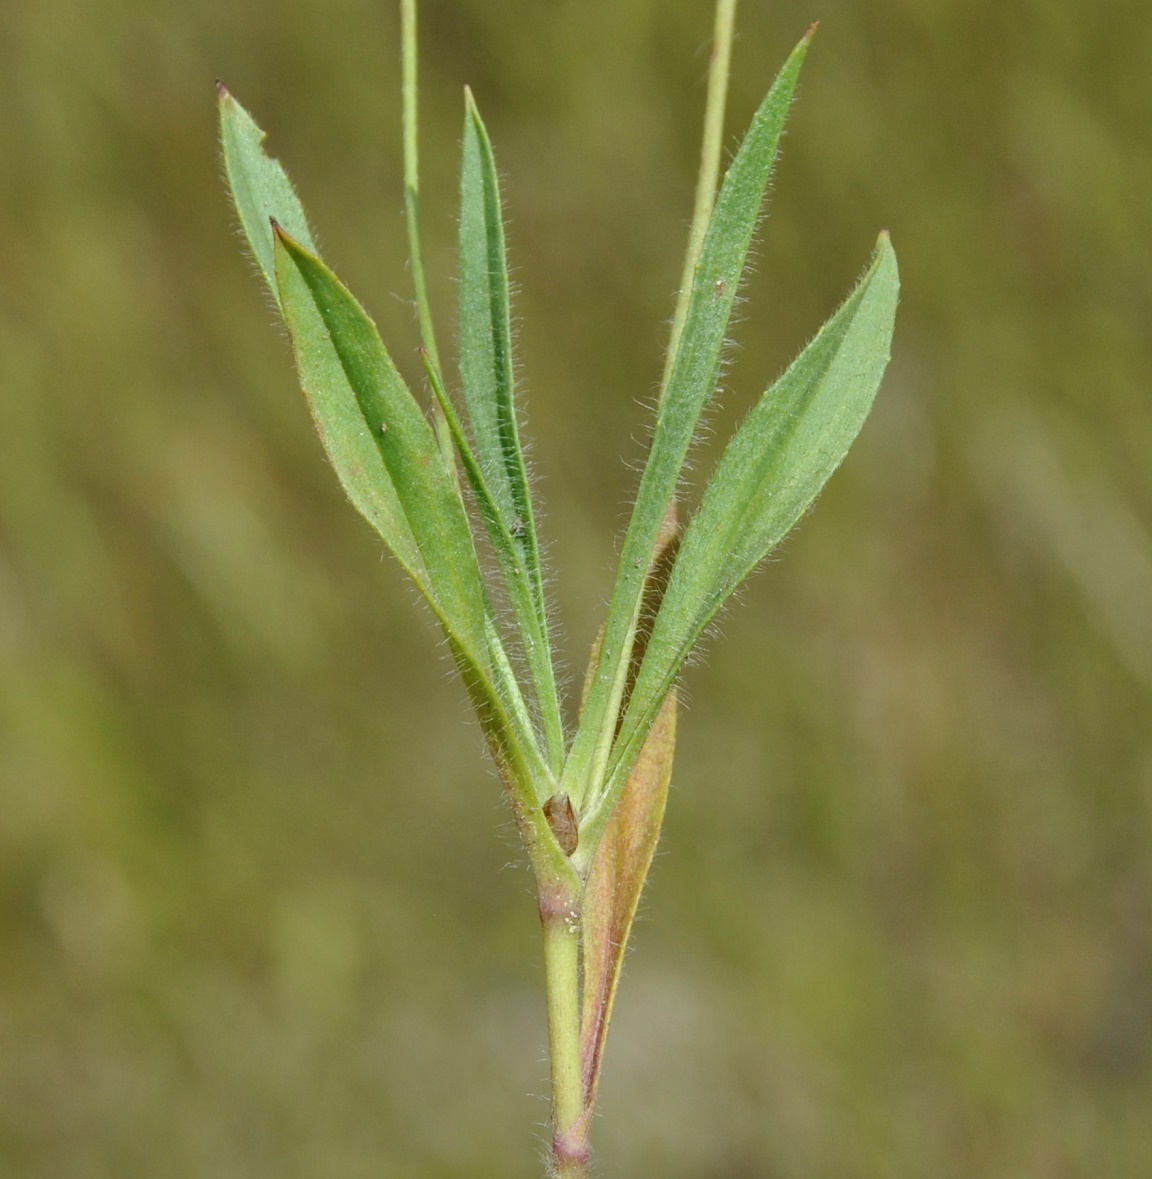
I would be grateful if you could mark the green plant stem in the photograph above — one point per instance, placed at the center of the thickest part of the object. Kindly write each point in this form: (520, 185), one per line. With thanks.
(719, 67)
(410, 120)
(571, 1105)
(560, 920)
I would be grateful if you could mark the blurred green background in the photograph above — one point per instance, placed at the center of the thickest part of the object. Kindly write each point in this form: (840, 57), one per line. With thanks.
(262, 913)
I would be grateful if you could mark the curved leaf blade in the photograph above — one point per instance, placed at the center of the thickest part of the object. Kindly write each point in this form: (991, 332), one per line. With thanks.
(773, 468)
(392, 420)
(262, 193)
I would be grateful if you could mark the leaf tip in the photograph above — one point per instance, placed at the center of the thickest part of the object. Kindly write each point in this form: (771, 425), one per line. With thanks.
(471, 110)
(883, 257)
(222, 91)
(809, 33)
(284, 237)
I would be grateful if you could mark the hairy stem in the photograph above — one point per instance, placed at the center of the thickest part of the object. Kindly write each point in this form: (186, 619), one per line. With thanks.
(560, 920)
(572, 1101)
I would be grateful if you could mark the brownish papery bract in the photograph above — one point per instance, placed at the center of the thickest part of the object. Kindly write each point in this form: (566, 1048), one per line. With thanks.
(615, 883)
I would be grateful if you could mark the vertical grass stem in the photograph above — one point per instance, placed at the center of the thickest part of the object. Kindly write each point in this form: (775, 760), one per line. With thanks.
(719, 68)
(410, 120)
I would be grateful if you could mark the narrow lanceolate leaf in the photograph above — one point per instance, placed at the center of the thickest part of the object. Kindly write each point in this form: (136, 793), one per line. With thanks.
(771, 471)
(692, 381)
(334, 342)
(328, 327)
(489, 393)
(313, 298)
(510, 558)
(485, 332)
(262, 192)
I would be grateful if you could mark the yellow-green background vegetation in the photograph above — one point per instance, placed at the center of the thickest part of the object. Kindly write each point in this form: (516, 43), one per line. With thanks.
(262, 914)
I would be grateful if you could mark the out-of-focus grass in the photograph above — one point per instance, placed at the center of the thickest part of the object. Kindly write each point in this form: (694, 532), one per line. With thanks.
(253, 914)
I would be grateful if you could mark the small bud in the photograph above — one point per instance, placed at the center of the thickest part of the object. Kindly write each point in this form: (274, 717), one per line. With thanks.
(562, 819)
